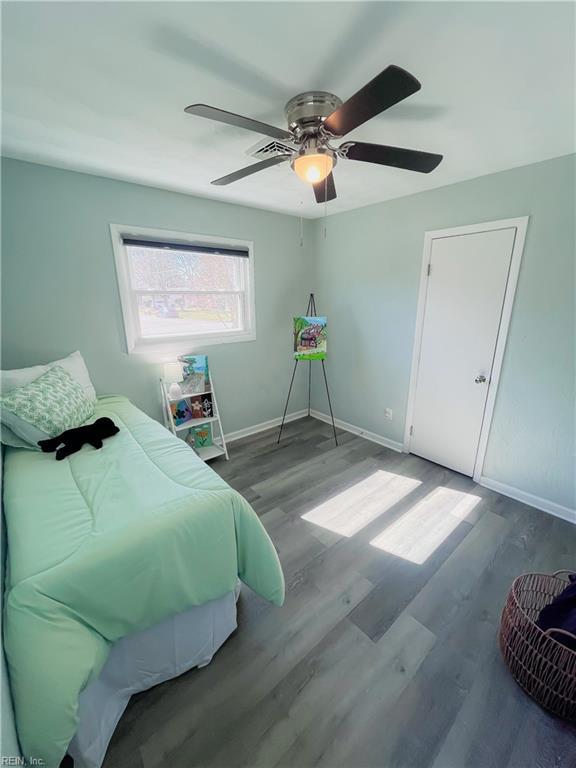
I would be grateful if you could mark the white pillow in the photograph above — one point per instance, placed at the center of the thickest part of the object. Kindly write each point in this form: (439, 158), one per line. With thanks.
(8, 437)
(27, 434)
(74, 364)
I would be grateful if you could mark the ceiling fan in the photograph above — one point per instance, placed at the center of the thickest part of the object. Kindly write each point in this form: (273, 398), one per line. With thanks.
(316, 118)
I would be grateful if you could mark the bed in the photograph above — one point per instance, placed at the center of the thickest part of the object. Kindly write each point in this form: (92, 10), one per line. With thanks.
(130, 543)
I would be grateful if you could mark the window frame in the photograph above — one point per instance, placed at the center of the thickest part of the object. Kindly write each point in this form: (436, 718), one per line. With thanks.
(169, 346)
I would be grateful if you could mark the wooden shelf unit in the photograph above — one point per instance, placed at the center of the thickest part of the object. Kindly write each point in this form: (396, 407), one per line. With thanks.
(218, 447)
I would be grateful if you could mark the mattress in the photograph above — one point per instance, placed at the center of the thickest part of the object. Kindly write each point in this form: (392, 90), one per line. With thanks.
(107, 543)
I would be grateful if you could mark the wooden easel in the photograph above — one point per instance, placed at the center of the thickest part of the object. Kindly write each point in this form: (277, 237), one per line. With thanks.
(310, 312)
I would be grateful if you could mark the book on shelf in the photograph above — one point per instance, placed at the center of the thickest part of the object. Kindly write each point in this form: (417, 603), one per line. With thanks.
(200, 436)
(181, 412)
(196, 374)
(201, 406)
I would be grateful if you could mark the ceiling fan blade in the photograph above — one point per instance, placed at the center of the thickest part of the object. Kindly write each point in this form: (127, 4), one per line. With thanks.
(239, 121)
(249, 170)
(386, 89)
(409, 159)
(325, 190)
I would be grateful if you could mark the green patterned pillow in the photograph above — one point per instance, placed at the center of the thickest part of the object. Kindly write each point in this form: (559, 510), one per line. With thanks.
(51, 403)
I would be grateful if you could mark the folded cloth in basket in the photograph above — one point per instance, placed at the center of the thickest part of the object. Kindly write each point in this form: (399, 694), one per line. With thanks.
(561, 614)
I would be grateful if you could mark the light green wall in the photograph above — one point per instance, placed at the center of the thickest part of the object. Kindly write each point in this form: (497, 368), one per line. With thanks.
(368, 269)
(59, 293)
(59, 289)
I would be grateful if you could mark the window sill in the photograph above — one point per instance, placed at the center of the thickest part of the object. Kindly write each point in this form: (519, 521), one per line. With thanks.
(167, 349)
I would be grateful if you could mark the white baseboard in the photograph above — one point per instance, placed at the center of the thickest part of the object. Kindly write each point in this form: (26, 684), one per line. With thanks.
(372, 436)
(263, 426)
(528, 498)
(558, 510)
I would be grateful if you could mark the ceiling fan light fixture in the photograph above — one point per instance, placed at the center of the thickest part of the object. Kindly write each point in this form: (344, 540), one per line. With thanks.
(313, 167)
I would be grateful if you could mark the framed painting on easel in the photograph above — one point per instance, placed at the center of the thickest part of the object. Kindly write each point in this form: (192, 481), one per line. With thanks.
(310, 336)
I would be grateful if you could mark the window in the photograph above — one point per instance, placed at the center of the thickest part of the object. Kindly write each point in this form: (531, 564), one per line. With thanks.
(179, 291)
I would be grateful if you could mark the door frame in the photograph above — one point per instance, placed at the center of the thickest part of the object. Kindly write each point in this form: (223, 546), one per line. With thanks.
(521, 225)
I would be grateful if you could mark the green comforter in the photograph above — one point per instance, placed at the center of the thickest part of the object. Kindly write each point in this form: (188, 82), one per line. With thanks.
(110, 542)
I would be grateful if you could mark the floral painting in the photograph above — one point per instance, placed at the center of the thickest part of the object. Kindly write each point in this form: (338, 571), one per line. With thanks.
(201, 406)
(310, 338)
(201, 437)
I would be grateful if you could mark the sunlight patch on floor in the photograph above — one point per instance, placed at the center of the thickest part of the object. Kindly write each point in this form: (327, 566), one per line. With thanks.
(419, 532)
(352, 509)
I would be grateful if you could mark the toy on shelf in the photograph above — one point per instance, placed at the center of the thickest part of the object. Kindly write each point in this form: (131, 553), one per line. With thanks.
(173, 378)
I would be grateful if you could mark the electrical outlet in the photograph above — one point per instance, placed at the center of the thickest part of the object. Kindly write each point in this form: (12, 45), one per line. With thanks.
(388, 413)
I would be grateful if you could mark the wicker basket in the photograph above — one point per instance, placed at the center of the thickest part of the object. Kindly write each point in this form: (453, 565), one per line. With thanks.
(544, 667)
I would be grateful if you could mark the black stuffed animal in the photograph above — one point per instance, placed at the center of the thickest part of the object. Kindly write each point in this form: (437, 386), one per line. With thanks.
(73, 439)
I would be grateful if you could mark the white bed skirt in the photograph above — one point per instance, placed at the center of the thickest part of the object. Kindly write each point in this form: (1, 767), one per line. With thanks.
(139, 661)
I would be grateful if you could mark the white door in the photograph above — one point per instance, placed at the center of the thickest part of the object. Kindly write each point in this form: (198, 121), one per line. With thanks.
(463, 307)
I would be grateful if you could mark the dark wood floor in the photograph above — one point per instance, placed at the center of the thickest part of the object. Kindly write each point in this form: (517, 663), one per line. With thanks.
(378, 658)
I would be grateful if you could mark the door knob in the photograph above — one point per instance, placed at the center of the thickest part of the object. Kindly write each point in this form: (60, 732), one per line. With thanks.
(480, 379)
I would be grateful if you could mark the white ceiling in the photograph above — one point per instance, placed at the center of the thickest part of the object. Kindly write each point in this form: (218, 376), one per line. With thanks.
(101, 87)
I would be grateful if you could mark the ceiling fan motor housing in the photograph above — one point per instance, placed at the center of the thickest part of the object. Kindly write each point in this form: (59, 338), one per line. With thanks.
(306, 111)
